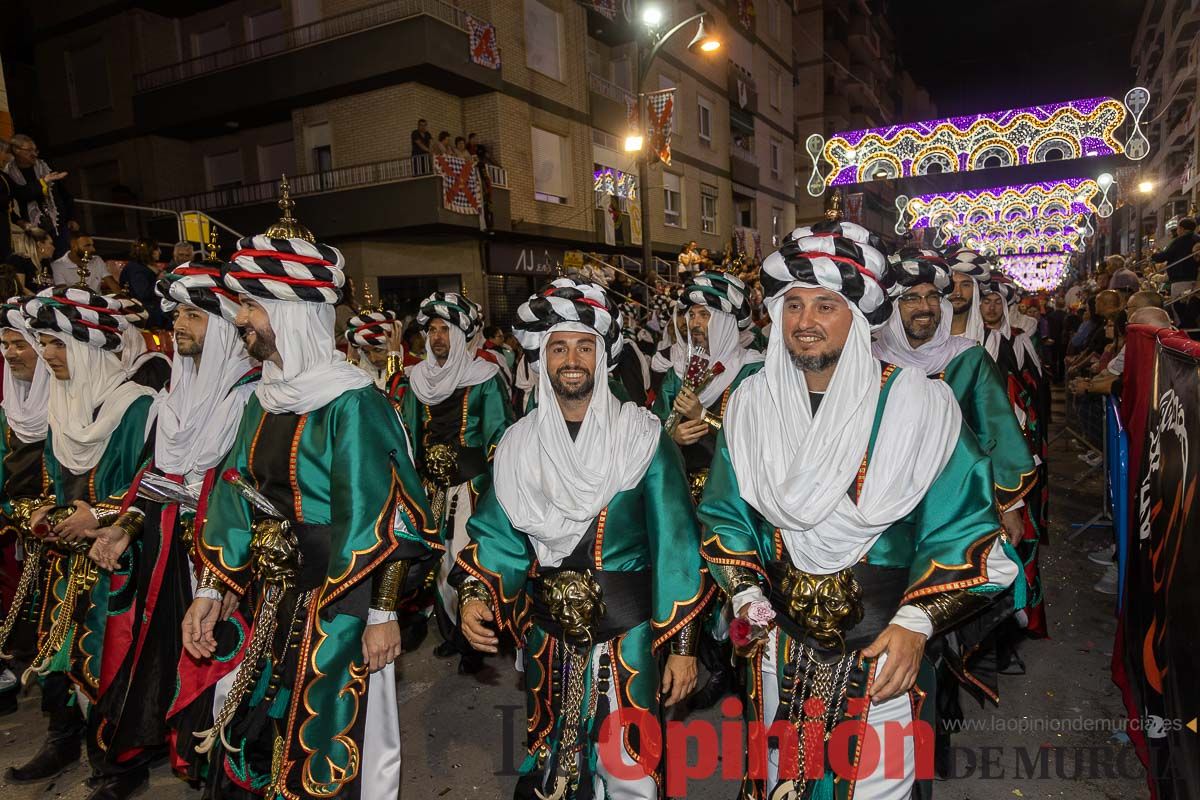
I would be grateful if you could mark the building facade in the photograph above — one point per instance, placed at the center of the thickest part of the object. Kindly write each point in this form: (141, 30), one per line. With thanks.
(187, 105)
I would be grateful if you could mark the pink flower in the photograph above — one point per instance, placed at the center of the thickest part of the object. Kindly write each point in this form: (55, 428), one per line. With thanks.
(760, 613)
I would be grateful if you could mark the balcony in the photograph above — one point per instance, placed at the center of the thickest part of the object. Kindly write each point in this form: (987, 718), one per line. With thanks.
(743, 91)
(743, 166)
(262, 80)
(609, 103)
(350, 201)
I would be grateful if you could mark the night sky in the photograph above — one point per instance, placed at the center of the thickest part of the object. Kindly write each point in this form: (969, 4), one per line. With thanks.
(988, 55)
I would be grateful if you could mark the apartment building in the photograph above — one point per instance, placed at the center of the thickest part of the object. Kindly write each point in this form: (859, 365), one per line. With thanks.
(848, 77)
(194, 105)
(1166, 55)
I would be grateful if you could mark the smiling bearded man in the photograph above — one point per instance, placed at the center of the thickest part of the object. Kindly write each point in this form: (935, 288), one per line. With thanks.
(840, 491)
(587, 554)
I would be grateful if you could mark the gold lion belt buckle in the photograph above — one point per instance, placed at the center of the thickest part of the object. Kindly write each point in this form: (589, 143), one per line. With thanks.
(575, 601)
(826, 606)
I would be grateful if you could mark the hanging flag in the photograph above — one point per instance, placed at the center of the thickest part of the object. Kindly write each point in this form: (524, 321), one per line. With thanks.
(460, 184)
(853, 210)
(745, 13)
(484, 49)
(743, 93)
(661, 106)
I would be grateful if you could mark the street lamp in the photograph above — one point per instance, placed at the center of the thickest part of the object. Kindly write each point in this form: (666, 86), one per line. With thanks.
(703, 41)
(1146, 187)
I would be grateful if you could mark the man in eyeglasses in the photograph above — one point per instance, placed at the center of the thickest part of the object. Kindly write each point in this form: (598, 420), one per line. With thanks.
(42, 199)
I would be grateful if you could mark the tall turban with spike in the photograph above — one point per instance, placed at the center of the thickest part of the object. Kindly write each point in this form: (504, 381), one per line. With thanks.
(841, 256)
(286, 269)
(199, 284)
(551, 485)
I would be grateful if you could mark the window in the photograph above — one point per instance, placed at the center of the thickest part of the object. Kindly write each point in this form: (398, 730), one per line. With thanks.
(210, 41)
(223, 170)
(87, 80)
(672, 200)
(318, 146)
(775, 87)
(776, 225)
(261, 26)
(275, 160)
(776, 148)
(543, 39)
(550, 178)
(705, 124)
(708, 208)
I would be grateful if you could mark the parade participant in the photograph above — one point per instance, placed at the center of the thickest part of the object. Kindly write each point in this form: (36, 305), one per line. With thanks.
(456, 410)
(315, 524)
(692, 401)
(1029, 395)
(212, 377)
(374, 340)
(23, 481)
(145, 366)
(850, 515)
(586, 553)
(98, 421)
(968, 269)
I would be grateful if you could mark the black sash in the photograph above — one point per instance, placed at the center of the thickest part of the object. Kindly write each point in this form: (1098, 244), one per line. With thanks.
(882, 590)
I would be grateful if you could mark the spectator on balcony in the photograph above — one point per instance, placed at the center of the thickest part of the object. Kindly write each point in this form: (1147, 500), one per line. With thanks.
(138, 279)
(181, 253)
(30, 259)
(6, 196)
(422, 145)
(42, 200)
(65, 269)
(443, 146)
(473, 144)
(460, 148)
(689, 260)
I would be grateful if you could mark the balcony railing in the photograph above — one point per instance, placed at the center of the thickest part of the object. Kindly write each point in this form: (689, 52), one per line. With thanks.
(742, 153)
(403, 169)
(604, 139)
(607, 88)
(302, 36)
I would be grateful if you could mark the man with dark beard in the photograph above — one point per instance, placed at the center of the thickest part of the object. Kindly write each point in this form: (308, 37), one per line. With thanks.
(850, 515)
(586, 553)
(316, 525)
(456, 409)
(211, 380)
(23, 482)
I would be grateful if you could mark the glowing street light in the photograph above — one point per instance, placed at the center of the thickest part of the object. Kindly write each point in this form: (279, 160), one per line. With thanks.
(1146, 187)
(704, 41)
(633, 143)
(652, 16)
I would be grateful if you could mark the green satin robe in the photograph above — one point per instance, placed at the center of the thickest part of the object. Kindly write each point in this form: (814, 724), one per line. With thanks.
(651, 526)
(350, 470)
(943, 544)
(81, 656)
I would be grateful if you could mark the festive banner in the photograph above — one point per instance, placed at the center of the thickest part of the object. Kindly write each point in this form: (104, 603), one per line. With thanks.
(743, 92)
(660, 105)
(460, 184)
(745, 14)
(853, 210)
(1158, 624)
(484, 50)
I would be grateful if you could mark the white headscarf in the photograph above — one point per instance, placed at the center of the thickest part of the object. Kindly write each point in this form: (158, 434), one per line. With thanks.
(931, 357)
(1022, 344)
(377, 375)
(198, 418)
(795, 468)
(975, 330)
(552, 486)
(98, 381)
(314, 372)
(724, 347)
(25, 402)
(432, 382)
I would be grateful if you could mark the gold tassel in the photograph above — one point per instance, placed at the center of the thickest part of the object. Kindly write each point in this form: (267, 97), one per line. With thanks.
(33, 559)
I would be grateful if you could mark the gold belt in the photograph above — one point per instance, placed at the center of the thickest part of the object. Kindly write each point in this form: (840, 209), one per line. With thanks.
(825, 606)
(274, 551)
(574, 600)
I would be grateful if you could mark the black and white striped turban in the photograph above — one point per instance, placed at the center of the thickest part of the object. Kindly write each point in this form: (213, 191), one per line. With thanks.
(370, 328)
(461, 312)
(94, 319)
(198, 284)
(913, 266)
(1001, 284)
(841, 256)
(286, 269)
(720, 291)
(971, 263)
(566, 300)
(134, 312)
(12, 317)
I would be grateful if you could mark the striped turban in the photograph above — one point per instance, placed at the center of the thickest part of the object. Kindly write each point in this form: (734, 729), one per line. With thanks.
(721, 291)
(12, 317)
(370, 328)
(913, 266)
(198, 284)
(841, 256)
(1001, 284)
(971, 263)
(564, 301)
(95, 319)
(134, 312)
(286, 269)
(459, 311)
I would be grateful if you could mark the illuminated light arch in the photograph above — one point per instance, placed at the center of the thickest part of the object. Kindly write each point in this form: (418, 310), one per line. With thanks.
(1032, 236)
(1074, 196)
(1036, 272)
(945, 159)
(1080, 128)
(880, 165)
(999, 149)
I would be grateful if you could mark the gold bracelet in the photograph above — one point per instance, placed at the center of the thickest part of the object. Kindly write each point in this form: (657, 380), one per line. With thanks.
(209, 580)
(131, 522)
(388, 583)
(106, 514)
(712, 421)
(474, 589)
(732, 579)
(687, 640)
(395, 364)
